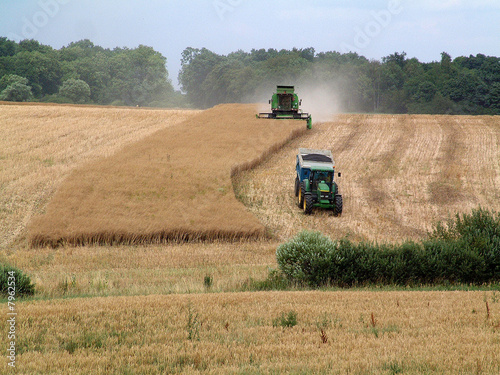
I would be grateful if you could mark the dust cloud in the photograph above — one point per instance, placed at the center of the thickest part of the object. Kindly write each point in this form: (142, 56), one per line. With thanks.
(318, 99)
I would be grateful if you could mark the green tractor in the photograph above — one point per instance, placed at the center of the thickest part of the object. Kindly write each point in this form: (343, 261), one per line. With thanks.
(285, 104)
(314, 184)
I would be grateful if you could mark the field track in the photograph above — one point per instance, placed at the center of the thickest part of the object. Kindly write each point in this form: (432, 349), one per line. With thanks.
(173, 185)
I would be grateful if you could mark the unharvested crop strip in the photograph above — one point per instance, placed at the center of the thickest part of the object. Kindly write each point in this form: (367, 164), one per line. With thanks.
(175, 185)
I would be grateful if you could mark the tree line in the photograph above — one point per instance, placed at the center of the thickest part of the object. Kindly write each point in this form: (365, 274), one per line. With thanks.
(396, 84)
(84, 73)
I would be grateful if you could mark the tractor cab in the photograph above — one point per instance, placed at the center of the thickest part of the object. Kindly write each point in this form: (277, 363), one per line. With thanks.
(321, 185)
(321, 178)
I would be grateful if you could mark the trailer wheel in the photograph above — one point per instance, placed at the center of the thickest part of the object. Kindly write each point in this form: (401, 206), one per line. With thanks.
(337, 210)
(297, 186)
(308, 204)
(302, 194)
(300, 200)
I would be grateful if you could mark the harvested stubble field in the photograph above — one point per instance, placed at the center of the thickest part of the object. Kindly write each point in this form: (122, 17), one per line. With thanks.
(421, 168)
(400, 175)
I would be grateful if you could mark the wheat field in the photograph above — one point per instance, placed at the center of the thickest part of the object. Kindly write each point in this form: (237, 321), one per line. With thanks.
(40, 145)
(172, 185)
(236, 333)
(146, 309)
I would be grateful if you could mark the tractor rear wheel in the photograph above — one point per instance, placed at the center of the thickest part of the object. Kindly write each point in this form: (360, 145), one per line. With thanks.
(297, 186)
(337, 210)
(308, 204)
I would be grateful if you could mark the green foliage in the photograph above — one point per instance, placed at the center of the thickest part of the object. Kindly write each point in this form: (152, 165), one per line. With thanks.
(13, 277)
(208, 281)
(465, 250)
(87, 340)
(133, 76)
(286, 320)
(14, 88)
(10, 79)
(274, 281)
(76, 90)
(7, 47)
(42, 70)
(395, 85)
(306, 258)
(197, 64)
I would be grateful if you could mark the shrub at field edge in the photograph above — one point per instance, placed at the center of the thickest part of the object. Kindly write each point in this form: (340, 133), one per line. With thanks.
(466, 250)
(22, 283)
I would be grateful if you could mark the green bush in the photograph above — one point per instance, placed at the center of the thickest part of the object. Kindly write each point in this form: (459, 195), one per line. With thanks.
(465, 250)
(306, 258)
(286, 320)
(14, 88)
(22, 282)
(76, 90)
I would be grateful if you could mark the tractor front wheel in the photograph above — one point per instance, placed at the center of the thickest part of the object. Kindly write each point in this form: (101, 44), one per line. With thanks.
(308, 204)
(337, 210)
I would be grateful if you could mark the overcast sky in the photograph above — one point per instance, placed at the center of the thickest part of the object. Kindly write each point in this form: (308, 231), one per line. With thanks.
(421, 28)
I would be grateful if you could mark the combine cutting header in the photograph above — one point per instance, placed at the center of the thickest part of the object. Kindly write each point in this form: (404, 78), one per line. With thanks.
(285, 104)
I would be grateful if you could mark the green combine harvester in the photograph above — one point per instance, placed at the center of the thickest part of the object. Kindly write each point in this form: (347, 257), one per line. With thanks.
(285, 105)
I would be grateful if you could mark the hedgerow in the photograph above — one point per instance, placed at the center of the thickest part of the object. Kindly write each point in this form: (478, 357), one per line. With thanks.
(463, 250)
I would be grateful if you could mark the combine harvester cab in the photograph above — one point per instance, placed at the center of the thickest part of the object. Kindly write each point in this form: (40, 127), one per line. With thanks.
(285, 104)
(314, 184)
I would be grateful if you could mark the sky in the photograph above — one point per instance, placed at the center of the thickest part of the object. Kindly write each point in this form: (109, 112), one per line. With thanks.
(374, 29)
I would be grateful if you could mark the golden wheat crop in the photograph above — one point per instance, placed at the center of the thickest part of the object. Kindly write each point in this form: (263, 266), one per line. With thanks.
(136, 270)
(175, 184)
(41, 144)
(400, 175)
(336, 333)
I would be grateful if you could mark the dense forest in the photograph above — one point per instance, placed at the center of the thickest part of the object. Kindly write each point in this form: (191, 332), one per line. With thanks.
(85, 73)
(397, 84)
